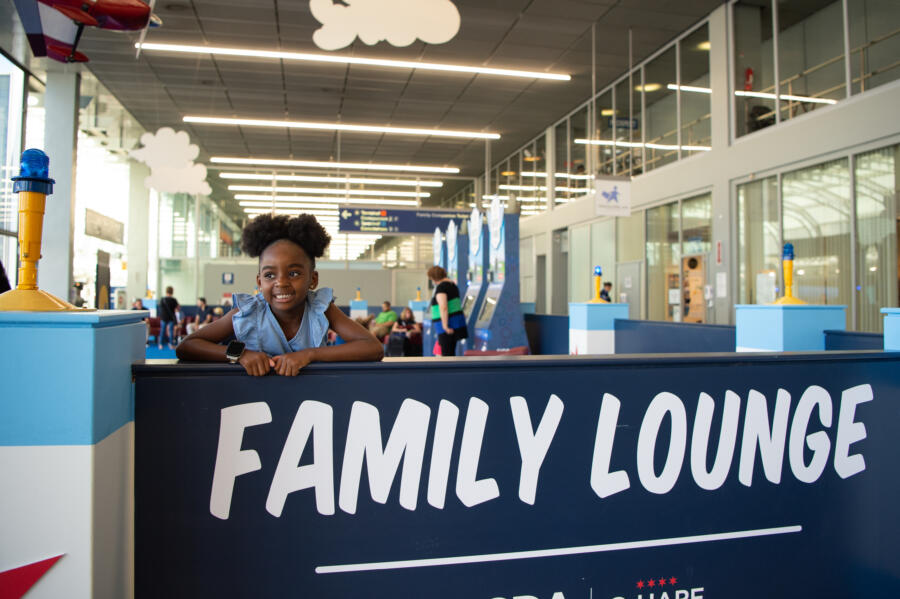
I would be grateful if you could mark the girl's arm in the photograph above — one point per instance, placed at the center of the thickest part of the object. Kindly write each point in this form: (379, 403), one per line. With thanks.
(397, 328)
(441, 299)
(360, 346)
(203, 346)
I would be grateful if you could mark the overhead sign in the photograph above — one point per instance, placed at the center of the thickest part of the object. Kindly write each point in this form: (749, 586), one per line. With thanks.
(695, 476)
(396, 221)
(612, 196)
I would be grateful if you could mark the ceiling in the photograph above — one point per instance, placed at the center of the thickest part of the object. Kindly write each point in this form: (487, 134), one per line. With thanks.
(537, 35)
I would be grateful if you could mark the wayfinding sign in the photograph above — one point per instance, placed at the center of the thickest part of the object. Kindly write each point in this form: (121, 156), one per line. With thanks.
(397, 221)
(681, 477)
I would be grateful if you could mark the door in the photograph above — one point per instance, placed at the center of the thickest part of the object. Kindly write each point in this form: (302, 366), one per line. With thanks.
(693, 299)
(628, 280)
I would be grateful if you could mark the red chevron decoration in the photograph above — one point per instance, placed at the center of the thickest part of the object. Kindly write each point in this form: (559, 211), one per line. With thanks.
(18, 581)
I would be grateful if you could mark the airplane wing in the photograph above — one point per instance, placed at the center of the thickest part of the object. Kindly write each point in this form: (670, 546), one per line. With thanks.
(50, 32)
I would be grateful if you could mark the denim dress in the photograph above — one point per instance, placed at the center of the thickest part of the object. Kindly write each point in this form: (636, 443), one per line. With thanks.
(255, 324)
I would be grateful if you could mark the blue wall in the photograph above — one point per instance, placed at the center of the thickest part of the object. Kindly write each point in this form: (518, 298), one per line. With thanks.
(655, 337)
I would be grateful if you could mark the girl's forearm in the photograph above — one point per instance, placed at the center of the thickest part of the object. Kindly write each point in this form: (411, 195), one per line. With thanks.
(200, 350)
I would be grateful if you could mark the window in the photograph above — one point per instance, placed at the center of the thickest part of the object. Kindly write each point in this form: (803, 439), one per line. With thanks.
(876, 235)
(874, 43)
(754, 82)
(663, 257)
(603, 153)
(660, 111)
(759, 242)
(695, 92)
(816, 219)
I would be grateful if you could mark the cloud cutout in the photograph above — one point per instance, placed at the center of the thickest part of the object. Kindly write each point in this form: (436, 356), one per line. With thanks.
(400, 22)
(170, 156)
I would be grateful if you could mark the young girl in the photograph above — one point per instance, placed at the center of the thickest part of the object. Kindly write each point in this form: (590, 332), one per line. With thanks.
(285, 325)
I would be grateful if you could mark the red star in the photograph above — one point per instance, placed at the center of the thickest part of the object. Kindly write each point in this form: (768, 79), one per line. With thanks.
(672, 581)
(640, 584)
(662, 582)
(651, 583)
(16, 582)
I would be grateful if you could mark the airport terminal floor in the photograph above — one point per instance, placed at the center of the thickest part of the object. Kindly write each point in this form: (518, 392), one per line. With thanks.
(497, 300)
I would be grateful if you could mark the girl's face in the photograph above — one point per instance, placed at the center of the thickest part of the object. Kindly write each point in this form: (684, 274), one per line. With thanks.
(285, 276)
(406, 314)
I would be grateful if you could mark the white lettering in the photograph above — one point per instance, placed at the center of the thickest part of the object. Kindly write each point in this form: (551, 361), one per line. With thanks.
(819, 443)
(313, 418)
(603, 482)
(715, 478)
(849, 432)
(681, 594)
(469, 490)
(664, 403)
(406, 442)
(757, 433)
(533, 446)
(231, 460)
(697, 593)
(441, 453)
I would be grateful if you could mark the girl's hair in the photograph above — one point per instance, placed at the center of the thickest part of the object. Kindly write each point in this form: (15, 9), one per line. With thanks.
(304, 230)
(436, 273)
(412, 316)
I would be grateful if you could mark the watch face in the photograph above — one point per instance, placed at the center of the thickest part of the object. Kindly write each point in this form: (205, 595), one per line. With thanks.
(234, 350)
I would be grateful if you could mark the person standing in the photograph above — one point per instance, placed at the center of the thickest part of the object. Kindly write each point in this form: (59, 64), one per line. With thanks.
(167, 318)
(447, 316)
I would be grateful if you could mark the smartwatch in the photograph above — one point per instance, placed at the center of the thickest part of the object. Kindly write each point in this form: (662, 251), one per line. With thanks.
(234, 351)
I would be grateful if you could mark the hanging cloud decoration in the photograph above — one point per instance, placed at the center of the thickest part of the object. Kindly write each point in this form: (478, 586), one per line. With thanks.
(400, 22)
(170, 156)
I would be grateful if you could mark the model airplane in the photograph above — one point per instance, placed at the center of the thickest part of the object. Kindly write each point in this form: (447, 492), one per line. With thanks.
(54, 27)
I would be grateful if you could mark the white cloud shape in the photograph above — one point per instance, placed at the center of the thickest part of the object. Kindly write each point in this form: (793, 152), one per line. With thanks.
(400, 22)
(170, 156)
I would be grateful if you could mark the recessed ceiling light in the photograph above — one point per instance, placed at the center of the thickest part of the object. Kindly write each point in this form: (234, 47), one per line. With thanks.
(648, 87)
(703, 45)
(402, 64)
(607, 112)
(532, 158)
(508, 174)
(209, 120)
(360, 166)
(334, 179)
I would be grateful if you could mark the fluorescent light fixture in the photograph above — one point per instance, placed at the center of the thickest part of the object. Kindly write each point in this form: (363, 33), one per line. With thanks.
(335, 180)
(362, 166)
(310, 207)
(704, 45)
(542, 188)
(350, 201)
(557, 175)
(375, 62)
(637, 144)
(332, 191)
(690, 88)
(209, 120)
(647, 87)
(607, 112)
(323, 219)
(768, 96)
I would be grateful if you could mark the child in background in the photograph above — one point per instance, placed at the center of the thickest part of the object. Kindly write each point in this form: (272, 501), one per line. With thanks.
(284, 326)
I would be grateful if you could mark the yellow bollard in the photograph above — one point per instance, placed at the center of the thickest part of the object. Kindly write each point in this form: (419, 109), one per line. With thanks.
(418, 294)
(358, 293)
(787, 265)
(598, 285)
(33, 186)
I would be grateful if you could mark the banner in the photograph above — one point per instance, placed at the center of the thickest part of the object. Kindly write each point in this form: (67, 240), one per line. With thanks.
(612, 196)
(685, 477)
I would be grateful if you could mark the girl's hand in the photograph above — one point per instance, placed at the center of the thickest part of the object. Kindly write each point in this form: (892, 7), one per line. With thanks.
(290, 364)
(256, 363)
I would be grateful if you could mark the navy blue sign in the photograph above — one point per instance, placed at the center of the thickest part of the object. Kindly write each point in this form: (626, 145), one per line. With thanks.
(556, 478)
(621, 122)
(397, 221)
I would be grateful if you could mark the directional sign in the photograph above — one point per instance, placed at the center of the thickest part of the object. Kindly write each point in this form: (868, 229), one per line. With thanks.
(397, 221)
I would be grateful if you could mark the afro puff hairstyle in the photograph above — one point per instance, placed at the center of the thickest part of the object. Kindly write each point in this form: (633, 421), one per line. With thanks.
(304, 230)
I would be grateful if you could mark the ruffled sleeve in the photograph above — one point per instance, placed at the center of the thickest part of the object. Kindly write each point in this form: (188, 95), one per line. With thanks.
(318, 301)
(246, 322)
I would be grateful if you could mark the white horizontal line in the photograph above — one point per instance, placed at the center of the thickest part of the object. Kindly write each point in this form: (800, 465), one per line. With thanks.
(500, 557)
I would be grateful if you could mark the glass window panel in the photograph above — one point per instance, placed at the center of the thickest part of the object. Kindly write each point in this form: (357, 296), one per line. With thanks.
(816, 216)
(876, 235)
(562, 161)
(696, 236)
(538, 161)
(603, 248)
(695, 92)
(660, 113)
(9, 257)
(759, 242)
(663, 257)
(603, 154)
(624, 130)
(810, 55)
(754, 68)
(12, 90)
(580, 267)
(630, 237)
(696, 225)
(579, 126)
(874, 43)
